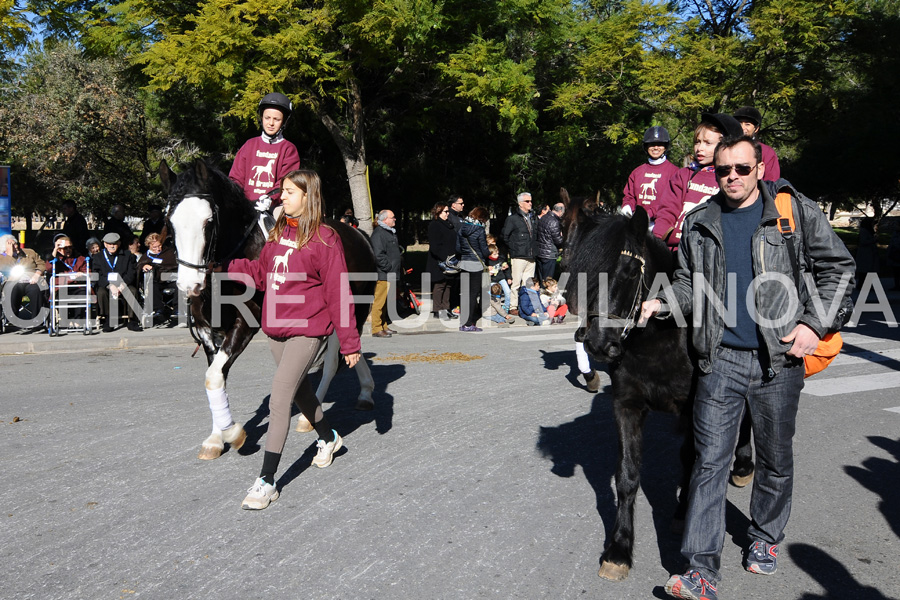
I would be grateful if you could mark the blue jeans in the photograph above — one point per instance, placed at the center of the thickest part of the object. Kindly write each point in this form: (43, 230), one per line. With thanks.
(737, 376)
(536, 320)
(506, 293)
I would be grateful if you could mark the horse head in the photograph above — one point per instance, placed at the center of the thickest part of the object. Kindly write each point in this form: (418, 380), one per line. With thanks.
(204, 209)
(613, 260)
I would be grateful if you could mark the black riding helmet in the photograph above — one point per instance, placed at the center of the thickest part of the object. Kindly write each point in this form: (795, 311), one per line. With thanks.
(277, 101)
(656, 136)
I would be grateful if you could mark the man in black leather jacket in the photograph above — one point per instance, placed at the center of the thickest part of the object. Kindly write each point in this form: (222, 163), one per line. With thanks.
(549, 241)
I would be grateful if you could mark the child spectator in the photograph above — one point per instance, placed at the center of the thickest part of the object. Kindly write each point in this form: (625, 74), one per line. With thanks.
(554, 301)
(498, 312)
(530, 307)
(500, 273)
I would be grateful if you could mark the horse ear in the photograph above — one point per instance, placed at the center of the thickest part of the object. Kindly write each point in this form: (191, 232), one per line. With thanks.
(564, 196)
(640, 222)
(200, 170)
(166, 176)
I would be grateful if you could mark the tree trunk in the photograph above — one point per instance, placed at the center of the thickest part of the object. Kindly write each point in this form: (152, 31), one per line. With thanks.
(353, 151)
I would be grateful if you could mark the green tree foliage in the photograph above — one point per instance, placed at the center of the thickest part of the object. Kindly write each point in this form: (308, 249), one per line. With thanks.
(76, 129)
(14, 31)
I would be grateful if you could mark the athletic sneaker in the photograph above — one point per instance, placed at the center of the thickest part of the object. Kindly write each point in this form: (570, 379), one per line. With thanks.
(761, 558)
(470, 328)
(690, 586)
(324, 455)
(260, 495)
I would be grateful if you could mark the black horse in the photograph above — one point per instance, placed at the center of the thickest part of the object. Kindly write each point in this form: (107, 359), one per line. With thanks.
(614, 264)
(213, 222)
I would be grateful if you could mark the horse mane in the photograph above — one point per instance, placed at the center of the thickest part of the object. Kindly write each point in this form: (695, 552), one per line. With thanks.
(595, 245)
(204, 177)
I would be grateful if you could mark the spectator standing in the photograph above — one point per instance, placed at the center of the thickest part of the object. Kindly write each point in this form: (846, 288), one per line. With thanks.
(389, 262)
(754, 358)
(893, 255)
(750, 120)
(456, 204)
(549, 241)
(29, 282)
(264, 161)
(75, 227)
(695, 184)
(116, 224)
(155, 223)
(520, 233)
(648, 180)
(315, 266)
(472, 249)
(116, 271)
(866, 250)
(441, 244)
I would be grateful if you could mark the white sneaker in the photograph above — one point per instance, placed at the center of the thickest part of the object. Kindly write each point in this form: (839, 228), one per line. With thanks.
(325, 453)
(260, 495)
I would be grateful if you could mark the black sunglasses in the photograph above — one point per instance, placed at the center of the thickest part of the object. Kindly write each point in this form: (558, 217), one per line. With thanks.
(742, 170)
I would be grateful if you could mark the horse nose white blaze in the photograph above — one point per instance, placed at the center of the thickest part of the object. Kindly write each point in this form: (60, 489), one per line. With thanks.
(189, 222)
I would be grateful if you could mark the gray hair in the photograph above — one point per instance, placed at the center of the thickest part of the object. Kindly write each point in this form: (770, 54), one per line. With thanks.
(382, 215)
(559, 207)
(522, 195)
(5, 238)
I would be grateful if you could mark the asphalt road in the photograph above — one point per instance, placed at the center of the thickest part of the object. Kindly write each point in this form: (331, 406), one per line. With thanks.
(485, 471)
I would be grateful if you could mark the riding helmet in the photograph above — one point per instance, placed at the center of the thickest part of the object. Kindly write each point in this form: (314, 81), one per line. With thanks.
(277, 101)
(748, 113)
(657, 135)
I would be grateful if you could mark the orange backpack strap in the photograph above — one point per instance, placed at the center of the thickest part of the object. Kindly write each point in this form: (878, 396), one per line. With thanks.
(786, 210)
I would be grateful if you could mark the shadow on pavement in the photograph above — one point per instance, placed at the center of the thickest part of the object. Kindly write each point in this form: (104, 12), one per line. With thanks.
(830, 574)
(881, 476)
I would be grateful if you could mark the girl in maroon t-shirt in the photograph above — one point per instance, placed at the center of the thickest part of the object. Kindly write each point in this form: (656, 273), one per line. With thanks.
(307, 296)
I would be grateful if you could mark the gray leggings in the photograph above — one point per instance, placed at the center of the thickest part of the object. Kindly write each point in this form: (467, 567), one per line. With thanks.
(293, 359)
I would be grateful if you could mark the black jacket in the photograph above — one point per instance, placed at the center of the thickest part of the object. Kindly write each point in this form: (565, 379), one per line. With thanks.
(520, 233)
(549, 236)
(387, 252)
(471, 246)
(122, 263)
(441, 244)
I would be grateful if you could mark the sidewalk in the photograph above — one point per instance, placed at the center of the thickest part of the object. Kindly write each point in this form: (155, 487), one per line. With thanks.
(123, 339)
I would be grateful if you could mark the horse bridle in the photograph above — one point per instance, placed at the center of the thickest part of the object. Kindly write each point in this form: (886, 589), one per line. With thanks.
(210, 251)
(631, 319)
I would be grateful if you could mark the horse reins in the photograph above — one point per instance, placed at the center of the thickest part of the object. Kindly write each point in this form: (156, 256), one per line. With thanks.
(631, 319)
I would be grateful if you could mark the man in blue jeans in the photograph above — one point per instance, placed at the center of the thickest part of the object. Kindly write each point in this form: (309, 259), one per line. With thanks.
(750, 335)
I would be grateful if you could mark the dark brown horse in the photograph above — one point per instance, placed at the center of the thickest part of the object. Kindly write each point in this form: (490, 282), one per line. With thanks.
(213, 222)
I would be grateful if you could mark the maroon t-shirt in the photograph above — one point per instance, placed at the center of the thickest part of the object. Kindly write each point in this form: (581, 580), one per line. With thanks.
(645, 184)
(260, 166)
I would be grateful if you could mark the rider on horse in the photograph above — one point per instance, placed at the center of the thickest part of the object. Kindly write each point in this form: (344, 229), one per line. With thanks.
(262, 162)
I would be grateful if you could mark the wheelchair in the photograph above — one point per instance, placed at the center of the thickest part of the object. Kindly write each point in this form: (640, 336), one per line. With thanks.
(167, 310)
(70, 302)
(21, 313)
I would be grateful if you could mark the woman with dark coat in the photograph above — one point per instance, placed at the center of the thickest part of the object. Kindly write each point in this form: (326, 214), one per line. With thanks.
(442, 243)
(472, 249)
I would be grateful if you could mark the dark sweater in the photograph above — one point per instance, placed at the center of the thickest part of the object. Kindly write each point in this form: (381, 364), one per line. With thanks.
(738, 226)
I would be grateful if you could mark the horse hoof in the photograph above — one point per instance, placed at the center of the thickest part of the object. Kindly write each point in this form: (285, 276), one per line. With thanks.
(613, 572)
(365, 404)
(592, 381)
(235, 435)
(209, 452)
(303, 424)
(741, 480)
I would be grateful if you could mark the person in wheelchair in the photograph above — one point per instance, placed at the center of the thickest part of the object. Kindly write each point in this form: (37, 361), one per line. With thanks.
(23, 275)
(153, 264)
(116, 272)
(69, 270)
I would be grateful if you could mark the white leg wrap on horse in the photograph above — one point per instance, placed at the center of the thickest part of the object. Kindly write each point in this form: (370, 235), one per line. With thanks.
(584, 363)
(218, 404)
